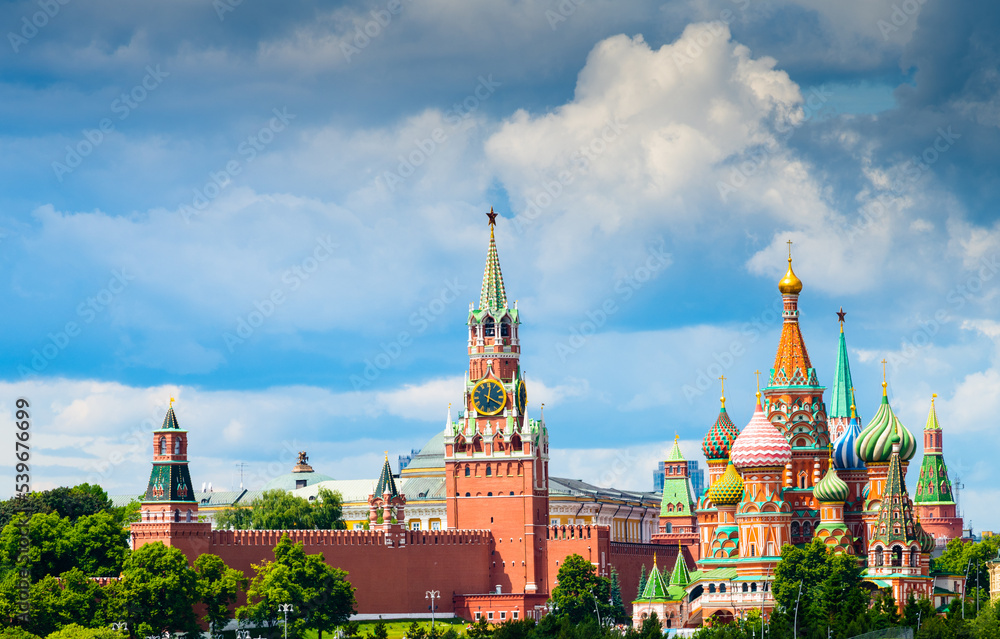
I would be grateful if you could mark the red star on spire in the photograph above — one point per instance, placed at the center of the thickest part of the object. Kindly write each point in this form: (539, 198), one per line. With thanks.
(492, 216)
(841, 314)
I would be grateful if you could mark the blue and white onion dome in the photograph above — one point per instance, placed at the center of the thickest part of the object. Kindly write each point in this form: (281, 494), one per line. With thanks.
(845, 453)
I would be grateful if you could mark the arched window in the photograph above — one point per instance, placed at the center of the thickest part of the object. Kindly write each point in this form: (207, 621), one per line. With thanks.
(163, 445)
(722, 588)
(897, 556)
(505, 328)
(806, 530)
(753, 587)
(177, 446)
(468, 494)
(879, 556)
(489, 494)
(489, 328)
(746, 588)
(489, 470)
(711, 588)
(796, 532)
(913, 557)
(468, 470)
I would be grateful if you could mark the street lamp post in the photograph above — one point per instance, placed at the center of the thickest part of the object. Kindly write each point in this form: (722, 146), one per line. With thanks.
(286, 608)
(795, 628)
(432, 595)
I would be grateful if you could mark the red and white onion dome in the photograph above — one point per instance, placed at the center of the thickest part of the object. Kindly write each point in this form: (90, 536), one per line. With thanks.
(760, 444)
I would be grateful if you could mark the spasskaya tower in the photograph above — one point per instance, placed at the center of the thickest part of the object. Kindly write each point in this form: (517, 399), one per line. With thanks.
(496, 458)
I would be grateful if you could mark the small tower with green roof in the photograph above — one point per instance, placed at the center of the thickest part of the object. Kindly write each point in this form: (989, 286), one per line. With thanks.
(678, 523)
(168, 511)
(664, 598)
(386, 498)
(839, 415)
(934, 499)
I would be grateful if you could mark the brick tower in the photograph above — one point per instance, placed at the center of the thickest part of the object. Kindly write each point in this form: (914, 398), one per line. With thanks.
(794, 404)
(678, 523)
(935, 500)
(169, 510)
(496, 459)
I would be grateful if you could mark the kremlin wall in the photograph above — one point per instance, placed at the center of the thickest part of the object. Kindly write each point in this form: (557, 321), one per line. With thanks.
(799, 470)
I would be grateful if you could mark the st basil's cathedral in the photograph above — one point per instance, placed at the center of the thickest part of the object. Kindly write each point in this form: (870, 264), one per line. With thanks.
(798, 472)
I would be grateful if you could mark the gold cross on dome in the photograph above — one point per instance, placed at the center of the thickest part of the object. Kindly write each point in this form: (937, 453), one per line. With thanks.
(884, 362)
(789, 249)
(757, 373)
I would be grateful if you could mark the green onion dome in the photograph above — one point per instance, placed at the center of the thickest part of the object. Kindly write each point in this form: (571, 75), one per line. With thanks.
(875, 441)
(831, 488)
(727, 489)
(720, 436)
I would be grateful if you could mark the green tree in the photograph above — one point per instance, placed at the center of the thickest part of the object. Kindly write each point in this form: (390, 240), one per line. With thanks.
(16, 632)
(159, 591)
(480, 630)
(416, 631)
(514, 629)
(642, 581)
(581, 592)
(75, 502)
(322, 596)
(218, 587)
(830, 586)
(99, 544)
(279, 510)
(328, 510)
(74, 631)
(618, 613)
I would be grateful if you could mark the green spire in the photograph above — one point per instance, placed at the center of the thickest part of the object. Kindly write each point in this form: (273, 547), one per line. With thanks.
(493, 295)
(386, 482)
(932, 421)
(675, 453)
(896, 519)
(655, 588)
(680, 576)
(840, 397)
(170, 419)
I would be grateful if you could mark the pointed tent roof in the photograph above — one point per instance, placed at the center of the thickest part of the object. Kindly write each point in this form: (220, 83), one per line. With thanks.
(655, 588)
(493, 295)
(840, 397)
(170, 419)
(791, 363)
(386, 482)
(675, 453)
(896, 520)
(932, 420)
(680, 576)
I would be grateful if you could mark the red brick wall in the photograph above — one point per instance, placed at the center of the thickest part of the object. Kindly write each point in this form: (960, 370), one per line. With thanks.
(628, 559)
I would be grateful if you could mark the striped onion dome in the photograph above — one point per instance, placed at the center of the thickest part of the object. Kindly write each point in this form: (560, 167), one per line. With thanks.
(874, 443)
(720, 436)
(760, 444)
(845, 451)
(927, 543)
(728, 488)
(831, 488)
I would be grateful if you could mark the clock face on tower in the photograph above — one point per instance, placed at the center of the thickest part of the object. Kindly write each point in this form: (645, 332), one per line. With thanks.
(489, 397)
(521, 396)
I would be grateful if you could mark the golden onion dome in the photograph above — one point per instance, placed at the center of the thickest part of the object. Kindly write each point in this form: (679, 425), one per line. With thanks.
(790, 284)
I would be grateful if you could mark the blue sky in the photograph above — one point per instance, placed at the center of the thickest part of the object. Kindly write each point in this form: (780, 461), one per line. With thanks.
(169, 171)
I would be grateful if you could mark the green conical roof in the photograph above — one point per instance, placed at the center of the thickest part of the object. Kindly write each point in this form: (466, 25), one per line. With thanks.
(170, 419)
(932, 422)
(896, 520)
(386, 482)
(493, 295)
(680, 576)
(655, 588)
(840, 397)
(675, 453)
